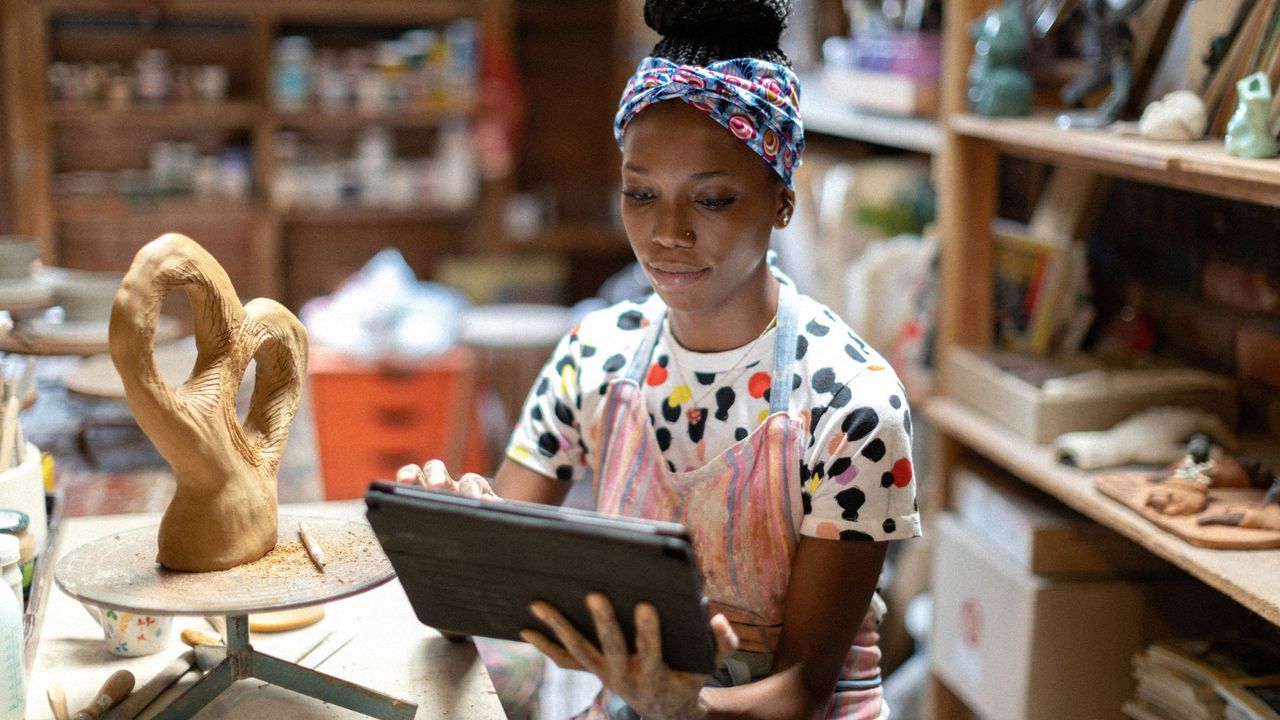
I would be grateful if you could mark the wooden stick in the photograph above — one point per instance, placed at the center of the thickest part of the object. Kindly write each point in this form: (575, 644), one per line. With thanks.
(133, 705)
(113, 691)
(8, 428)
(313, 547)
(57, 701)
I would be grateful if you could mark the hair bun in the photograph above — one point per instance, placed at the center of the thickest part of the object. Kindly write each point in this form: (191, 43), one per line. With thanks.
(725, 23)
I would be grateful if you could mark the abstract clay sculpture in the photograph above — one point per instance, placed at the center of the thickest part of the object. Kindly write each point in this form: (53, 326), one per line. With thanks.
(223, 513)
(1108, 49)
(1248, 131)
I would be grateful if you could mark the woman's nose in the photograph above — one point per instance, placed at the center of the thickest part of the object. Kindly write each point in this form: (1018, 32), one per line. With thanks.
(673, 230)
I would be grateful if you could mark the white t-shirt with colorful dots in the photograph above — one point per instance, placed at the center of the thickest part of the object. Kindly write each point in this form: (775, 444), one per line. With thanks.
(857, 476)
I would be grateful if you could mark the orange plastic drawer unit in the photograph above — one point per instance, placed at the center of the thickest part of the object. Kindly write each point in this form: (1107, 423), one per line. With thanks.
(372, 418)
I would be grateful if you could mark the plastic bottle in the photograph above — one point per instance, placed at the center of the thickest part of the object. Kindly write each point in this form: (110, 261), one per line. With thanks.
(291, 84)
(13, 696)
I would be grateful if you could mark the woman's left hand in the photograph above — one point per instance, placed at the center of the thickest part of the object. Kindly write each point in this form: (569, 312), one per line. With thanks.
(643, 680)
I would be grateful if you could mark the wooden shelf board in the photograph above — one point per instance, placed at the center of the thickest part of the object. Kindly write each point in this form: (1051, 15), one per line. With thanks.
(234, 114)
(364, 214)
(1251, 577)
(321, 119)
(76, 209)
(1201, 166)
(823, 114)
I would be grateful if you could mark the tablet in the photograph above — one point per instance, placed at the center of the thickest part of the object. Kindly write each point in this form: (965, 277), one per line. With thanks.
(473, 567)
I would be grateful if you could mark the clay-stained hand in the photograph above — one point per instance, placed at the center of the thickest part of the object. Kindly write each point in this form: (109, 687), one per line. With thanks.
(642, 679)
(433, 475)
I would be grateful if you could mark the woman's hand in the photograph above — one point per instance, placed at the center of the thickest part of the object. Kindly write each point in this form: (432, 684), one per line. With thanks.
(643, 680)
(434, 476)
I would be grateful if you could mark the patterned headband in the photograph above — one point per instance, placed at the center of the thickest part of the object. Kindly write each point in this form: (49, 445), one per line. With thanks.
(756, 100)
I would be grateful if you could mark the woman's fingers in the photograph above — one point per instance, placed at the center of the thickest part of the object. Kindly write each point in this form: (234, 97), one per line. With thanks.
(726, 638)
(476, 486)
(438, 477)
(411, 474)
(578, 646)
(608, 632)
(648, 638)
(557, 654)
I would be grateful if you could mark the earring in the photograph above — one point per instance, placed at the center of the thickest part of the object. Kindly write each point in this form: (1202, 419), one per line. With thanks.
(784, 219)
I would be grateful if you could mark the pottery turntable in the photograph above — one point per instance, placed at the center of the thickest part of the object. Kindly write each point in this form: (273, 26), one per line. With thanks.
(120, 571)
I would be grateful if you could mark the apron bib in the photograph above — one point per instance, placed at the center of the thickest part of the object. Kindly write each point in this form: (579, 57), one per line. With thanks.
(742, 510)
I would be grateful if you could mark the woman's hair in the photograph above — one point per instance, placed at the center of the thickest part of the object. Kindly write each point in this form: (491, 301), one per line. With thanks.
(700, 32)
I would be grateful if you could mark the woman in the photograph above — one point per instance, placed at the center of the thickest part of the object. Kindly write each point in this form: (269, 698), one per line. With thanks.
(727, 401)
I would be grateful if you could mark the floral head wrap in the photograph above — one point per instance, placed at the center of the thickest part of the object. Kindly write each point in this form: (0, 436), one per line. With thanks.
(756, 100)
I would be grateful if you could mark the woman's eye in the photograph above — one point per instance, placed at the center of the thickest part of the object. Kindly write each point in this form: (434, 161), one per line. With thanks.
(638, 196)
(716, 203)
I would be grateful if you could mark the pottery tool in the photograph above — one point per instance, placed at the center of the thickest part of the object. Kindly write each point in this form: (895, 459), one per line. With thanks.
(113, 691)
(313, 547)
(57, 701)
(139, 699)
(345, 642)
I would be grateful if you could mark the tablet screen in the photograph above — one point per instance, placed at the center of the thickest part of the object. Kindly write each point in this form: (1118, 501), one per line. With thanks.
(473, 567)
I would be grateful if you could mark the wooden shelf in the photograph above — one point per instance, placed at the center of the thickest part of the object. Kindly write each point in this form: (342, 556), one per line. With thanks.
(321, 119)
(1251, 577)
(227, 115)
(75, 209)
(1202, 166)
(369, 214)
(824, 114)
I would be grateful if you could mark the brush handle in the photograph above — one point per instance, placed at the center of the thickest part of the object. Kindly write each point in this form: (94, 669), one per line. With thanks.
(113, 691)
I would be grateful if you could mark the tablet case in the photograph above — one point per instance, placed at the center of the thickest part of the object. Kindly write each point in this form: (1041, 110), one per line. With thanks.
(473, 567)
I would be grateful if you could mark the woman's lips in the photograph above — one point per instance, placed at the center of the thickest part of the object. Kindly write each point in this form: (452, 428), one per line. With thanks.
(675, 275)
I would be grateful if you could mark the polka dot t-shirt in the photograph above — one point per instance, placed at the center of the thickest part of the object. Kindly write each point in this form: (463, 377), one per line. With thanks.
(857, 480)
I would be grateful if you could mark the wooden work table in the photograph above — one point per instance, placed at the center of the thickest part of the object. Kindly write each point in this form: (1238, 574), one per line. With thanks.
(390, 650)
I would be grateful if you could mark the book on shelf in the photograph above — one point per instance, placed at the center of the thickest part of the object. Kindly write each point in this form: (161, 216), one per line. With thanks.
(1223, 678)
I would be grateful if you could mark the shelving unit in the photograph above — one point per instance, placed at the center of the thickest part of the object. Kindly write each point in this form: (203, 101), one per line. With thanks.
(239, 34)
(968, 197)
(823, 114)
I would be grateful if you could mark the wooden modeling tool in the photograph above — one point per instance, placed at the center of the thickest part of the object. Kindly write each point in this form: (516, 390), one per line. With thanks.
(119, 685)
(132, 706)
(313, 547)
(58, 701)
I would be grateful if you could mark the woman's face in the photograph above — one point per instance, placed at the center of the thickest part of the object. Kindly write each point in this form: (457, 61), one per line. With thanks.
(698, 207)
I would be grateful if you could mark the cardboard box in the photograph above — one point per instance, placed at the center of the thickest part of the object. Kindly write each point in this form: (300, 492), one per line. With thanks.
(1040, 534)
(1014, 646)
(1009, 388)
(882, 92)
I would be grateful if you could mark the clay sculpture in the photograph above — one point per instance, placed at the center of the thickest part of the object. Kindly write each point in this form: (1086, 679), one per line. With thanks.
(223, 513)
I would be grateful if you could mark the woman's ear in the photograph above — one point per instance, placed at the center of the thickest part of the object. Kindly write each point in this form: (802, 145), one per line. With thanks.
(786, 206)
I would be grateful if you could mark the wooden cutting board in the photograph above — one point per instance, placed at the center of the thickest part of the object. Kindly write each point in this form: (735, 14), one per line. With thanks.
(1130, 488)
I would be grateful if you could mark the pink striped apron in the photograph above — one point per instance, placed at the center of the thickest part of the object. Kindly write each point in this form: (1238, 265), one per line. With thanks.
(742, 510)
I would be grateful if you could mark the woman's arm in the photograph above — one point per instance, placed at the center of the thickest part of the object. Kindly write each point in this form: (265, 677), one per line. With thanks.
(827, 599)
(517, 482)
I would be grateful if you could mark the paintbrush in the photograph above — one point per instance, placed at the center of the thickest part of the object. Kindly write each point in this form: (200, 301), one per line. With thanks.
(57, 701)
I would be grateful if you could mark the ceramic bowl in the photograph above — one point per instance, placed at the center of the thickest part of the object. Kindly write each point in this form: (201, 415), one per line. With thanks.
(85, 297)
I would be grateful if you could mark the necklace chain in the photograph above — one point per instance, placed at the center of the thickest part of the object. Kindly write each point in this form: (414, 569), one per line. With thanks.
(695, 413)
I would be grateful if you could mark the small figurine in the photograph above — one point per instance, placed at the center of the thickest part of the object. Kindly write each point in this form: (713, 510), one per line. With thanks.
(1108, 50)
(1248, 132)
(1153, 436)
(998, 82)
(1180, 115)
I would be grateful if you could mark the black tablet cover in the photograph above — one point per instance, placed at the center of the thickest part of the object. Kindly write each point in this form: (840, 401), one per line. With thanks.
(473, 567)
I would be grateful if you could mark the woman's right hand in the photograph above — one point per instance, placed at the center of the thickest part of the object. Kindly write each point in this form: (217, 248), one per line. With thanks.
(433, 475)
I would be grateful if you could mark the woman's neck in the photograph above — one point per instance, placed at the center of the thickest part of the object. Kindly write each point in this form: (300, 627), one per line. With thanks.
(732, 325)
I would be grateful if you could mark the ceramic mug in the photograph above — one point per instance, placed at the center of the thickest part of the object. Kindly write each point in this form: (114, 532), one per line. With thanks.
(131, 634)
